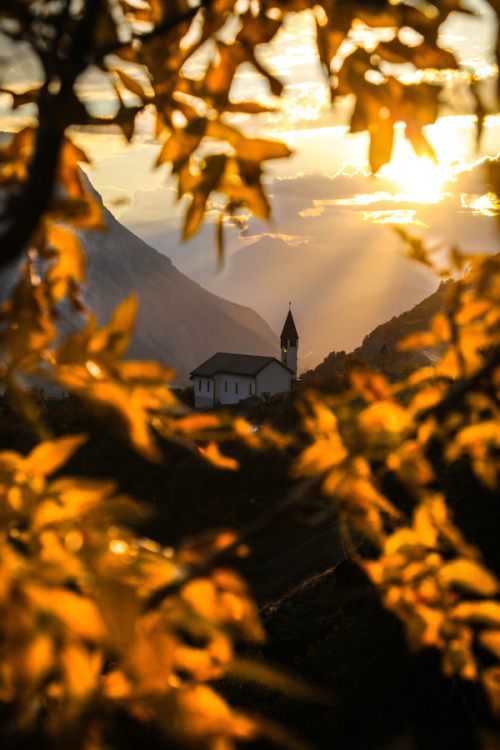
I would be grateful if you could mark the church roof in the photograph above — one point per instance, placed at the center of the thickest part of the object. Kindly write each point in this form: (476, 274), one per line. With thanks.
(235, 364)
(289, 332)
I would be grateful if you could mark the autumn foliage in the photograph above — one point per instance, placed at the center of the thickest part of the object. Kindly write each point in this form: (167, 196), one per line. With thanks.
(96, 621)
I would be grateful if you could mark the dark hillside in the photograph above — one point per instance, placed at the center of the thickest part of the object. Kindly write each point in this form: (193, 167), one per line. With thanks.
(389, 335)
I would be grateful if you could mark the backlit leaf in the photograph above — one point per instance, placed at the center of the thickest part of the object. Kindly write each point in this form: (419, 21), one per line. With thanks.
(469, 575)
(50, 455)
(211, 453)
(482, 612)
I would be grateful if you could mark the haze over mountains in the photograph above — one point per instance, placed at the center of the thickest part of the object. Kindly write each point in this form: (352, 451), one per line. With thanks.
(343, 273)
(327, 246)
(178, 323)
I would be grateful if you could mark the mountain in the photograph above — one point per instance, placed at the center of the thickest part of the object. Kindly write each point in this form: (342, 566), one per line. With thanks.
(179, 323)
(388, 335)
(323, 249)
(345, 327)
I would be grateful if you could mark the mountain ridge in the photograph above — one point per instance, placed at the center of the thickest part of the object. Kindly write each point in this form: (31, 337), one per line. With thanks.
(178, 322)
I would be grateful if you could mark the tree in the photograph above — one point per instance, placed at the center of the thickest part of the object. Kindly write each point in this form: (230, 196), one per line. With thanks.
(96, 622)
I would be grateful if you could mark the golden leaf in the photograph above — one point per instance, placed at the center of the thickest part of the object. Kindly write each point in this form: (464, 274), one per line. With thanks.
(180, 145)
(491, 681)
(385, 415)
(50, 455)
(202, 713)
(469, 575)
(211, 453)
(458, 659)
(423, 524)
(132, 85)
(422, 340)
(484, 613)
(372, 385)
(71, 259)
(120, 608)
(78, 613)
(491, 640)
(81, 671)
(404, 541)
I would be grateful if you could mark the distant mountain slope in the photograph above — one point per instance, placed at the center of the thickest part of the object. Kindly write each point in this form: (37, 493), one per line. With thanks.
(389, 334)
(179, 323)
(345, 327)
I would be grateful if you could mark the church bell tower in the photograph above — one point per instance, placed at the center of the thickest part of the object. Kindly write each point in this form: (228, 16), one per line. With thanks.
(289, 342)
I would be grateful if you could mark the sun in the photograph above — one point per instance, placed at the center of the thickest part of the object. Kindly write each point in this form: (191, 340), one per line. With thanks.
(421, 179)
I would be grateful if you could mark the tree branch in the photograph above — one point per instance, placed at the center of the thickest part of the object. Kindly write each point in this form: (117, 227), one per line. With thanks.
(56, 112)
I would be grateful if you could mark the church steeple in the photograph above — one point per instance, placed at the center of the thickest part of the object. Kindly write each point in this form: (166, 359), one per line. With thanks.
(289, 342)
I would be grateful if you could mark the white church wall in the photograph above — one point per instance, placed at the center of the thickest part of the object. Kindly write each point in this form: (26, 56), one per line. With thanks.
(203, 392)
(230, 389)
(273, 379)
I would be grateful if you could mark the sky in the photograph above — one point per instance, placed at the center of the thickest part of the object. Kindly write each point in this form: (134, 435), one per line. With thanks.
(333, 222)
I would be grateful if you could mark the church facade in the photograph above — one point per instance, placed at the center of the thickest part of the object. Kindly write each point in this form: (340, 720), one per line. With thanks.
(227, 378)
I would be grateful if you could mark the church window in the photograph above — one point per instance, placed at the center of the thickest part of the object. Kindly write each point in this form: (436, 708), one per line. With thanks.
(236, 387)
(249, 389)
(208, 385)
(199, 384)
(225, 386)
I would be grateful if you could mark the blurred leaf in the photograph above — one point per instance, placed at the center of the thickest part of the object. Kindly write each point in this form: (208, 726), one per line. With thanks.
(132, 85)
(469, 575)
(482, 612)
(50, 455)
(211, 453)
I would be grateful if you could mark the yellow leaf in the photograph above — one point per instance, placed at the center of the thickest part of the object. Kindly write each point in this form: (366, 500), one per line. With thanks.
(491, 640)
(50, 455)
(458, 659)
(133, 86)
(485, 613)
(211, 453)
(372, 385)
(146, 371)
(81, 671)
(422, 340)
(71, 259)
(78, 613)
(385, 415)
(491, 681)
(122, 324)
(68, 498)
(180, 145)
(424, 527)
(469, 575)
(120, 608)
(203, 713)
(405, 542)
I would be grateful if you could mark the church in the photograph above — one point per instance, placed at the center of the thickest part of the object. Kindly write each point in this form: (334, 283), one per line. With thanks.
(229, 378)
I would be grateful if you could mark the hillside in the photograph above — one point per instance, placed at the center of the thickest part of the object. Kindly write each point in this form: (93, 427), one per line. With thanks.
(389, 335)
(179, 323)
(344, 327)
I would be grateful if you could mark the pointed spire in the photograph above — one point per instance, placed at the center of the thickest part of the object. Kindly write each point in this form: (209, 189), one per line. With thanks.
(289, 335)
